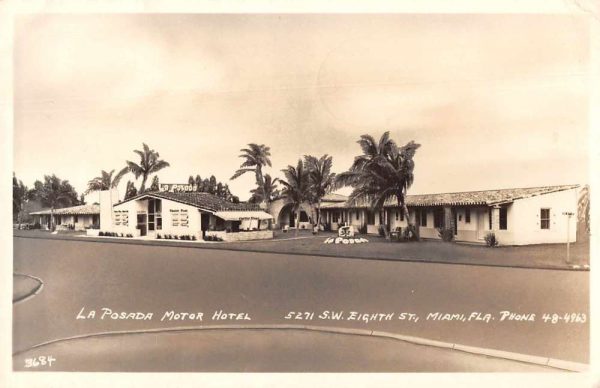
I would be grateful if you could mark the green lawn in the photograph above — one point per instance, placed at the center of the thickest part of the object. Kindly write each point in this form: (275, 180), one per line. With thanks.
(531, 256)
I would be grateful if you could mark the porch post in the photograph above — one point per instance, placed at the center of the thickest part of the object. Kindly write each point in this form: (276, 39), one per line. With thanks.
(448, 218)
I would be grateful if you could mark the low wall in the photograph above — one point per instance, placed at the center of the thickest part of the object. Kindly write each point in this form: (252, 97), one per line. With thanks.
(242, 236)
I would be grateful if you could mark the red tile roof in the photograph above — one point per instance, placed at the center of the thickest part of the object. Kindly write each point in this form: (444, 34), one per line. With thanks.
(484, 198)
(204, 201)
(73, 210)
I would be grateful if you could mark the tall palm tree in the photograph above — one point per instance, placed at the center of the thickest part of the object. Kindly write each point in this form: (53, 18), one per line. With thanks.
(384, 171)
(267, 192)
(296, 188)
(255, 158)
(54, 192)
(105, 181)
(321, 179)
(149, 164)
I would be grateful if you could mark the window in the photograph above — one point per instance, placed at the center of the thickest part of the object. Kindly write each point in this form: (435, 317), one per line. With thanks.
(467, 216)
(503, 218)
(401, 215)
(357, 215)
(75, 219)
(335, 217)
(381, 218)
(438, 218)
(545, 218)
(423, 217)
(397, 215)
(490, 218)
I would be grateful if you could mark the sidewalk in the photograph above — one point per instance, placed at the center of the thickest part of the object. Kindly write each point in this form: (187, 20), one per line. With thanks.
(544, 256)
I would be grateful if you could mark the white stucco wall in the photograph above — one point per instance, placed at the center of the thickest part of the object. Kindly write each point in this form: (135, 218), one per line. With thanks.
(136, 207)
(194, 219)
(527, 228)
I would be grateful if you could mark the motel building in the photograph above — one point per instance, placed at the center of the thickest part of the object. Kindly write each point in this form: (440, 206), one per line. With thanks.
(179, 210)
(522, 216)
(77, 218)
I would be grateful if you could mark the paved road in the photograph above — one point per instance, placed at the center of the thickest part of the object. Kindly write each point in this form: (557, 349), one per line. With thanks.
(130, 278)
(259, 351)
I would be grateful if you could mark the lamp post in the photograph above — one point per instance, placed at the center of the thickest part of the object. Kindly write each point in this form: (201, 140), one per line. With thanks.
(569, 215)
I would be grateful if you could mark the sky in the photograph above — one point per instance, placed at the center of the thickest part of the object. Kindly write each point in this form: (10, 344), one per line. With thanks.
(495, 101)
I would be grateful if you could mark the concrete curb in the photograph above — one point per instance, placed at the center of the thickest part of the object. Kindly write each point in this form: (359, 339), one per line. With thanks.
(35, 291)
(519, 357)
(180, 244)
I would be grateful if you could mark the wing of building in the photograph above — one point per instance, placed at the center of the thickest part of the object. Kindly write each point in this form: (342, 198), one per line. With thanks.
(517, 216)
(69, 218)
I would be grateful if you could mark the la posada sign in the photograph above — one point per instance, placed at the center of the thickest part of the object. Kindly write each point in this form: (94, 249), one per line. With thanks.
(176, 187)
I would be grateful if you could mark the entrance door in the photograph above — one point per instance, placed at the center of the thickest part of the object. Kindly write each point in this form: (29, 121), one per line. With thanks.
(454, 216)
(204, 222)
(142, 224)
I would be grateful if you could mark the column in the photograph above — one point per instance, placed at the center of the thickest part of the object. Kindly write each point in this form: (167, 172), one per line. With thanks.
(448, 217)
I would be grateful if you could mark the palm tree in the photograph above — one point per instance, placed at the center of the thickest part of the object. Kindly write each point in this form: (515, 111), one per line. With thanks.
(267, 193)
(384, 171)
(296, 187)
(321, 179)
(255, 158)
(105, 181)
(54, 192)
(149, 164)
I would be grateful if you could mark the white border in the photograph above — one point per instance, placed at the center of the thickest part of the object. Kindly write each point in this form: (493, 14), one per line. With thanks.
(7, 11)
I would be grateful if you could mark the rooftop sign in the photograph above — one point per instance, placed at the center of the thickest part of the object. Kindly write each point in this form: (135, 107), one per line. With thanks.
(177, 188)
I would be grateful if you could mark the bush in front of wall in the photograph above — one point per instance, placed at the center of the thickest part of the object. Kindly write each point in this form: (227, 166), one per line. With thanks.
(491, 240)
(410, 233)
(158, 236)
(194, 237)
(446, 234)
(129, 235)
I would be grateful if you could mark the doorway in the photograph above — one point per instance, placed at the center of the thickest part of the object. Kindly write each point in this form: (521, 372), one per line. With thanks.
(142, 224)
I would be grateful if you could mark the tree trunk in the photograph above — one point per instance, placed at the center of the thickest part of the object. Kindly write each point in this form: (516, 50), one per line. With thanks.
(386, 232)
(297, 221)
(318, 216)
(52, 219)
(143, 186)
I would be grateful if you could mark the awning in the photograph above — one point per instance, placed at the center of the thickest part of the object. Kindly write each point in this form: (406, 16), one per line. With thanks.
(239, 215)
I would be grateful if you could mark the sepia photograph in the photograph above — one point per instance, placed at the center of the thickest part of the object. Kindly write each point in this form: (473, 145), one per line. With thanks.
(302, 192)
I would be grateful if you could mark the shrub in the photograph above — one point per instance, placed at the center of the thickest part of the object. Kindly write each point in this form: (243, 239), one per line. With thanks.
(410, 233)
(491, 240)
(194, 237)
(37, 225)
(158, 236)
(101, 233)
(362, 229)
(446, 234)
(129, 235)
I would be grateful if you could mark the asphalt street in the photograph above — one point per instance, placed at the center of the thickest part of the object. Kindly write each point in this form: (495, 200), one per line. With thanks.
(257, 351)
(262, 288)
